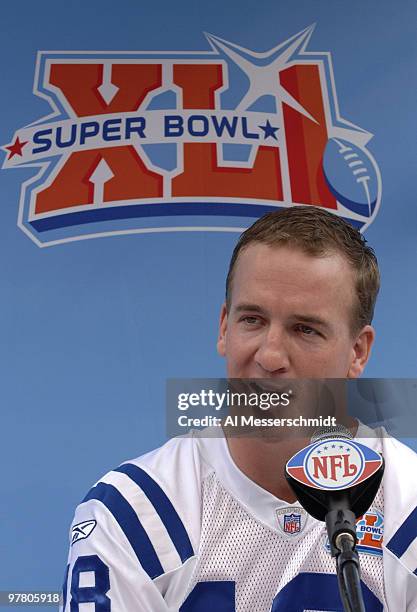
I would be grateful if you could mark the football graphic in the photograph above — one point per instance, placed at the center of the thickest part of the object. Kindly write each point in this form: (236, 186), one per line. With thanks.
(351, 176)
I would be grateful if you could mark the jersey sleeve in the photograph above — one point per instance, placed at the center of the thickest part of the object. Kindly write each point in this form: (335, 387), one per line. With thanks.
(400, 584)
(401, 564)
(126, 538)
(400, 537)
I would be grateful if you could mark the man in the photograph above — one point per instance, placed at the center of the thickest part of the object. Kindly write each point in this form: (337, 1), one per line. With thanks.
(202, 522)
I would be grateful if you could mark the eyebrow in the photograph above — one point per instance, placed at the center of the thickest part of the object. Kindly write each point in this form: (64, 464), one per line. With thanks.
(249, 308)
(313, 320)
(306, 318)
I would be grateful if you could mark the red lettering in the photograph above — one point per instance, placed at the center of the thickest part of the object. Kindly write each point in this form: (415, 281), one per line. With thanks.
(320, 464)
(335, 462)
(131, 179)
(202, 175)
(368, 538)
(350, 468)
(306, 139)
(79, 84)
(72, 187)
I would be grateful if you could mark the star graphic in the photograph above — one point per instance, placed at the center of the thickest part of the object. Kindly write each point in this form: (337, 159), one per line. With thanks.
(16, 148)
(262, 69)
(326, 447)
(333, 445)
(269, 130)
(318, 452)
(341, 446)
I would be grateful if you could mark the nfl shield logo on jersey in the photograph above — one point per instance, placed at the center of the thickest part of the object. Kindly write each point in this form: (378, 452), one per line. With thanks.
(292, 519)
(292, 523)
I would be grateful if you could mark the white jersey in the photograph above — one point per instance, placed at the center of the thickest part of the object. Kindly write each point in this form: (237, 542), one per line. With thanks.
(182, 529)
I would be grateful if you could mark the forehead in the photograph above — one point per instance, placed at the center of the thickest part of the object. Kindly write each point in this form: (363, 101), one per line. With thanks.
(266, 271)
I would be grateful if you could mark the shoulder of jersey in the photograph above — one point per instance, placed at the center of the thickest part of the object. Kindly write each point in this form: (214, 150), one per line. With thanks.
(400, 502)
(153, 502)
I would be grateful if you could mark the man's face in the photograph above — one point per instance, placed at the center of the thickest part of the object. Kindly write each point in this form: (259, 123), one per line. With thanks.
(290, 317)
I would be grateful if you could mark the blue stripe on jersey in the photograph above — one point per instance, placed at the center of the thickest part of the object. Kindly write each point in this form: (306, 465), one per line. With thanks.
(402, 539)
(163, 507)
(130, 524)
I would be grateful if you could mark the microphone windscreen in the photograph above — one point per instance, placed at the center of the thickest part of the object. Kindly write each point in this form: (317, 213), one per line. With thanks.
(336, 431)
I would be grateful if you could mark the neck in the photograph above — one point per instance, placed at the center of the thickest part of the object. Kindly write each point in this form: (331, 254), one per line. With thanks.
(263, 461)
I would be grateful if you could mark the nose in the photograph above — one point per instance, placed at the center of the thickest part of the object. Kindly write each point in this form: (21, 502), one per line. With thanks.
(272, 356)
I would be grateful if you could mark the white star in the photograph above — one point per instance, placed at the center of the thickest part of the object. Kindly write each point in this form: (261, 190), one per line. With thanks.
(264, 76)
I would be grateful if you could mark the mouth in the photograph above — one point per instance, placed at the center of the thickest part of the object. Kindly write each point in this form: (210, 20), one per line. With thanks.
(270, 386)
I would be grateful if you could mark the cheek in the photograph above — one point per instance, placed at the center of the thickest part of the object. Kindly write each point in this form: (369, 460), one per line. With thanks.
(234, 348)
(238, 349)
(333, 364)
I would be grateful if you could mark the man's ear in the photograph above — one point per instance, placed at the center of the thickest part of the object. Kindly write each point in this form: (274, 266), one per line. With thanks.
(221, 340)
(361, 351)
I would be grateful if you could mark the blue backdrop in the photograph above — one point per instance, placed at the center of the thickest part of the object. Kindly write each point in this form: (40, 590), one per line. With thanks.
(90, 330)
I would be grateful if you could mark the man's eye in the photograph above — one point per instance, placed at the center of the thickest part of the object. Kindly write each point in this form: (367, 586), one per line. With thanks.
(250, 320)
(306, 330)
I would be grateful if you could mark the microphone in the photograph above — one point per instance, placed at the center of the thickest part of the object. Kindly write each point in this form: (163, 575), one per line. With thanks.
(335, 480)
(336, 431)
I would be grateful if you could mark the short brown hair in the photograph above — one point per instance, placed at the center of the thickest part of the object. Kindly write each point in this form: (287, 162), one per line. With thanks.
(318, 232)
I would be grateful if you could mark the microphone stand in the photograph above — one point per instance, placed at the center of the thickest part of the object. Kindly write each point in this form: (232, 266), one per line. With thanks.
(340, 509)
(348, 574)
(341, 529)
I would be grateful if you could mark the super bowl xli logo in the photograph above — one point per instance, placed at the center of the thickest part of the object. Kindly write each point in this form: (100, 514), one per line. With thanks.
(168, 141)
(370, 533)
